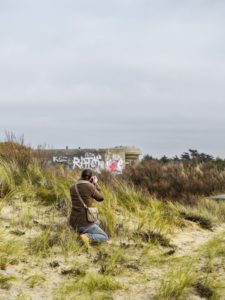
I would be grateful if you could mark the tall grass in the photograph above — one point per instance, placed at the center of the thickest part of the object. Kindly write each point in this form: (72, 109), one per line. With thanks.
(68, 243)
(107, 211)
(6, 178)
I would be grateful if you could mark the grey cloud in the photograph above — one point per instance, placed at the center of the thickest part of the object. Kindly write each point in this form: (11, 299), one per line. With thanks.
(149, 73)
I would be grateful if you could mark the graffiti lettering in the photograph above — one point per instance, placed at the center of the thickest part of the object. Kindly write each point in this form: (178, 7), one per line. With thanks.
(87, 162)
(60, 159)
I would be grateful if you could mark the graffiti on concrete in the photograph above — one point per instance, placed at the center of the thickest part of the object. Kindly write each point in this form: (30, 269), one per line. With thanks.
(88, 161)
(115, 165)
(60, 159)
(112, 159)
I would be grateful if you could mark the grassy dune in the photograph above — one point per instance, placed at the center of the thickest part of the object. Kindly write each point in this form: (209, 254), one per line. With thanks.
(158, 249)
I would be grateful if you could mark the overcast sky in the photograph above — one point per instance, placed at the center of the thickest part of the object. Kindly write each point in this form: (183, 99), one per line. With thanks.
(99, 73)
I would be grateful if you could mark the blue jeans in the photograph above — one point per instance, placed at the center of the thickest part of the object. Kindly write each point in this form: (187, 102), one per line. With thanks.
(94, 232)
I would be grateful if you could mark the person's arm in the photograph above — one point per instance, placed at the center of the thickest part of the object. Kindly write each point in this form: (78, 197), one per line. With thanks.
(97, 187)
(97, 194)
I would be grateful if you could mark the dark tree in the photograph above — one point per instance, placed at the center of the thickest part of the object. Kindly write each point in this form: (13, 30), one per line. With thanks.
(185, 156)
(147, 157)
(164, 159)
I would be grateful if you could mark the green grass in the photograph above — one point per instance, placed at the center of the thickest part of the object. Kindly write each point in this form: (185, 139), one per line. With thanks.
(68, 243)
(176, 283)
(35, 280)
(211, 281)
(213, 253)
(215, 247)
(91, 286)
(6, 178)
(5, 281)
(24, 218)
(154, 255)
(11, 251)
(111, 260)
(107, 212)
(157, 216)
(206, 212)
(41, 244)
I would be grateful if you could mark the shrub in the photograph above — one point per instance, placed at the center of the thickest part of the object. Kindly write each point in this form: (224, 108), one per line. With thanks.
(177, 180)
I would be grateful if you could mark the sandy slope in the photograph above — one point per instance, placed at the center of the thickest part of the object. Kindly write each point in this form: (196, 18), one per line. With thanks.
(141, 284)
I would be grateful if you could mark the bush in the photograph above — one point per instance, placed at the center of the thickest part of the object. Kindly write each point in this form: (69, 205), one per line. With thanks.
(177, 180)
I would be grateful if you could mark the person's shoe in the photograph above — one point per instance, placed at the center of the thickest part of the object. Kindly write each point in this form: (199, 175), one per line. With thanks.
(85, 240)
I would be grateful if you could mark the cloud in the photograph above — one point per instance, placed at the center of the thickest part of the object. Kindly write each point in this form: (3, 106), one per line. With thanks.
(149, 73)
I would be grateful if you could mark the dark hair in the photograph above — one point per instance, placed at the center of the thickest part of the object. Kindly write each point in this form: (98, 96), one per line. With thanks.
(86, 174)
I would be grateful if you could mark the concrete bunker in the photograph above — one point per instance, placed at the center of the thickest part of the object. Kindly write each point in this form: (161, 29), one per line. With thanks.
(110, 159)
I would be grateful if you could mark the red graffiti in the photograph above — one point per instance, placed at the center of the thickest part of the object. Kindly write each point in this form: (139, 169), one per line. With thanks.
(113, 166)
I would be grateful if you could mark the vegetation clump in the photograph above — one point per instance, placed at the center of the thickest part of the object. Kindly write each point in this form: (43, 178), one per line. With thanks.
(202, 221)
(176, 283)
(155, 237)
(203, 290)
(35, 280)
(91, 286)
(5, 281)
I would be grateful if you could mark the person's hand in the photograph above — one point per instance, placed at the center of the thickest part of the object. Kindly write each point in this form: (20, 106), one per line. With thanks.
(94, 179)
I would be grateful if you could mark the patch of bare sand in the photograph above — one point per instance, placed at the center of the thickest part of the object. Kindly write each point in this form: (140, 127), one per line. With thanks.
(191, 238)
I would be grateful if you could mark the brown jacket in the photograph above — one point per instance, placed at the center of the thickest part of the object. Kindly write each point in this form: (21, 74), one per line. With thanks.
(88, 193)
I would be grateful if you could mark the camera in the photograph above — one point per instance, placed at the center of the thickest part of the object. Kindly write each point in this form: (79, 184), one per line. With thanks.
(94, 179)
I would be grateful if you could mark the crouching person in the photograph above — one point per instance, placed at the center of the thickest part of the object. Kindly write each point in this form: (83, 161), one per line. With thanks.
(83, 218)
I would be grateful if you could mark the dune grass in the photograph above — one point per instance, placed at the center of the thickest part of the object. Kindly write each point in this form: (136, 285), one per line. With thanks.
(69, 243)
(176, 283)
(111, 260)
(35, 280)
(11, 251)
(139, 224)
(215, 247)
(5, 281)
(42, 243)
(91, 286)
